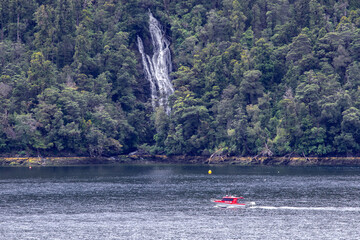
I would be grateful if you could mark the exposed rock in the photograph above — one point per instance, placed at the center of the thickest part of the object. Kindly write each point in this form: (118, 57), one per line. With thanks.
(182, 159)
(139, 152)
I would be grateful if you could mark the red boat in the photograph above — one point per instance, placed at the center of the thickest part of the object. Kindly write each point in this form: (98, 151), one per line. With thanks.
(233, 202)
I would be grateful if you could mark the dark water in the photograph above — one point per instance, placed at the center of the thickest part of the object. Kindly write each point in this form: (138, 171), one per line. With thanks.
(173, 202)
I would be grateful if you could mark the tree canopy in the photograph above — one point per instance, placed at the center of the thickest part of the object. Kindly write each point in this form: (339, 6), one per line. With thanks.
(248, 75)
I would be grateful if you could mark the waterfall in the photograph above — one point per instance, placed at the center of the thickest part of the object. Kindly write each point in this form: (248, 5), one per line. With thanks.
(158, 67)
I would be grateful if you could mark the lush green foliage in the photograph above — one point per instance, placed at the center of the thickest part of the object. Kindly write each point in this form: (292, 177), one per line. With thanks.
(284, 74)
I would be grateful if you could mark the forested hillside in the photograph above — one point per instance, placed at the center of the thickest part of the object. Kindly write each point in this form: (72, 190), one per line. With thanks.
(280, 75)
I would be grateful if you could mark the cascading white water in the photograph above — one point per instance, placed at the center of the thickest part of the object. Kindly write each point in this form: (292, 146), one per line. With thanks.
(157, 68)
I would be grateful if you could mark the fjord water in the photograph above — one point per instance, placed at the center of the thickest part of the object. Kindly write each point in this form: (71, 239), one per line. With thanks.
(173, 202)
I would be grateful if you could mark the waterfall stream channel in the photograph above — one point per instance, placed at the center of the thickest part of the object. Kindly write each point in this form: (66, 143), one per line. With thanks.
(158, 67)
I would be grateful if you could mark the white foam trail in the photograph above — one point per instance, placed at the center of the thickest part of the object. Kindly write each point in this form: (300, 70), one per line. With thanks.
(341, 209)
(147, 71)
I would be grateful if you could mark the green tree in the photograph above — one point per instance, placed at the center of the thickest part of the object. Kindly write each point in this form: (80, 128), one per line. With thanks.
(263, 62)
(299, 49)
(44, 37)
(20, 14)
(162, 122)
(41, 73)
(250, 86)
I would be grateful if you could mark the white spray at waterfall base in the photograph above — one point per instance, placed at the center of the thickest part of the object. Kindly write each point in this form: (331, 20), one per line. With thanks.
(158, 67)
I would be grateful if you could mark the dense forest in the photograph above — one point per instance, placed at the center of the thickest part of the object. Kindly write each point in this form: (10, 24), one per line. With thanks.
(249, 76)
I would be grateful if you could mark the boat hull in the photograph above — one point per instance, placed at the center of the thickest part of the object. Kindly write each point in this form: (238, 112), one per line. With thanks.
(227, 205)
(237, 205)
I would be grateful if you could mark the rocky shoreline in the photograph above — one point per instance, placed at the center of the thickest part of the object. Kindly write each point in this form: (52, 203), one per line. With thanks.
(181, 159)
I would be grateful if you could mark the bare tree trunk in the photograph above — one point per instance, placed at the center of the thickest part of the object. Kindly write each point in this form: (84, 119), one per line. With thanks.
(166, 5)
(18, 28)
(212, 155)
(307, 159)
(85, 4)
(266, 152)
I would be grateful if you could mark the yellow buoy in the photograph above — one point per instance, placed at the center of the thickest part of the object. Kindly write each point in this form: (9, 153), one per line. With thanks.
(210, 172)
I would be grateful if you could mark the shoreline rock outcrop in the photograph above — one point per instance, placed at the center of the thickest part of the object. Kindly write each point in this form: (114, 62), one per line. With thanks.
(180, 159)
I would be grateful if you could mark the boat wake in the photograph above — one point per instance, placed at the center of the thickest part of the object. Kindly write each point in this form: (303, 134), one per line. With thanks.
(340, 209)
